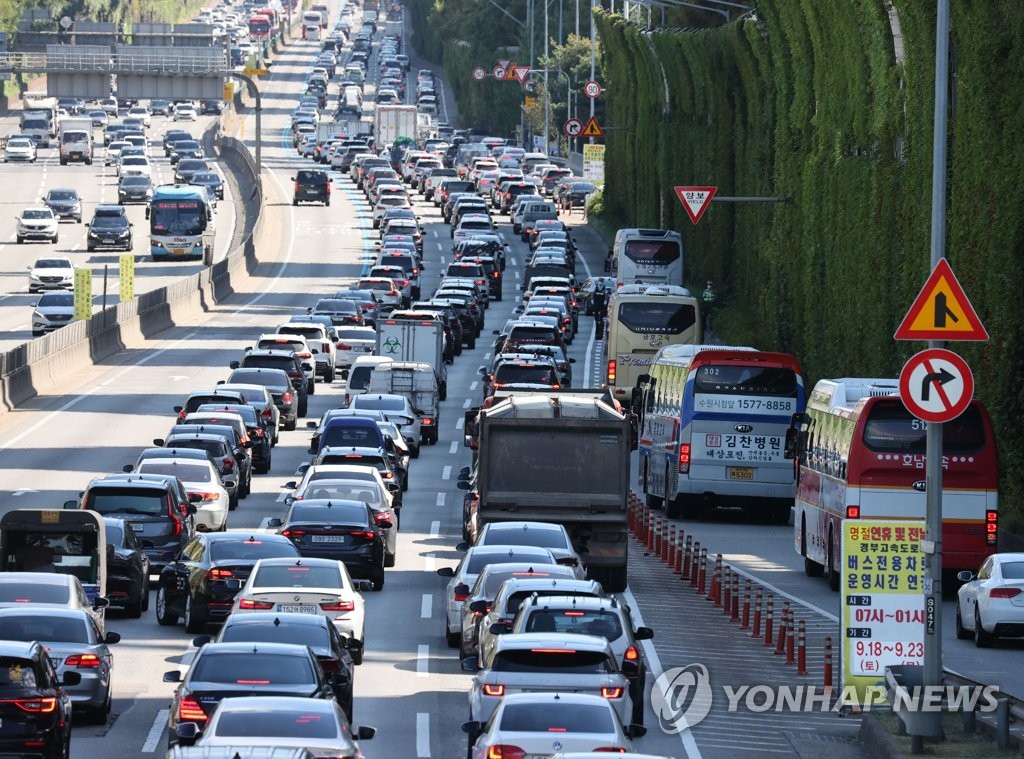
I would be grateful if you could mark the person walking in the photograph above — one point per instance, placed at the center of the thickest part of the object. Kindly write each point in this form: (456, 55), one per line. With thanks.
(708, 299)
(599, 307)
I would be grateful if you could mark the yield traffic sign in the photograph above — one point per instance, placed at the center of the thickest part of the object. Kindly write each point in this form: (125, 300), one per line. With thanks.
(503, 62)
(521, 73)
(695, 200)
(592, 89)
(479, 74)
(572, 127)
(936, 385)
(592, 129)
(941, 311)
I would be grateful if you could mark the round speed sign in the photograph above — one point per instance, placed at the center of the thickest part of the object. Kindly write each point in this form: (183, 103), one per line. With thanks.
(592, 89)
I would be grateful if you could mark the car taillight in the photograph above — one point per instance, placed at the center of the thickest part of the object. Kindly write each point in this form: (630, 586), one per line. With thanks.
(494, 690)
(267, 413)
(852, 511)
(229, 464)
(286, 397)
(84, 661)
(339, 606)
(296, 186)
(505, 751)
(177, 525)
(205, 496)
(293, 534)
(611, 371)
(632, 654)
(367, 306)
(219, 574)
(610, 750)
(461, 596)
(344, 347)
(381, 516)
(253, 604)
(260, 433)
(497, 274)
(611, 692)
(35, 705)
(426, 421)
(329, 664)
(304, 355)
(1004, 592)
(189, 710)
(325, 347)
(991, 527)
(401, 282)
(684, 458)
(182, 414)
(363, 534)
(387, 475)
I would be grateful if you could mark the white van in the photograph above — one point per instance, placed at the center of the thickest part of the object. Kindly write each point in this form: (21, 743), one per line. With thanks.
(359, 375)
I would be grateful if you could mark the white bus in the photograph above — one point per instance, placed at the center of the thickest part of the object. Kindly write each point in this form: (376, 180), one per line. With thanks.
(650, 256)
(642, 319)
(714, 429)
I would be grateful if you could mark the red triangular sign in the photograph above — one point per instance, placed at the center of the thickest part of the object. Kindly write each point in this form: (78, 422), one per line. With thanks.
(521, 73)
(695, 200)
(504, 63)
(592, 129)
(941, 311)
(510, 72)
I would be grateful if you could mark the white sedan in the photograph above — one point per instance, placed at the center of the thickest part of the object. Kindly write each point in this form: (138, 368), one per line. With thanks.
(185, 112)
(306, 586)
(202, 481)
(991, 604)
(20, 149)
(543, 723)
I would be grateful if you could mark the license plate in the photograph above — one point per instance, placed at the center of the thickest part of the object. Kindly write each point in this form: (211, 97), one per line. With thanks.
(296, 609)
(137, 526)
(327, 538)
(741, 473)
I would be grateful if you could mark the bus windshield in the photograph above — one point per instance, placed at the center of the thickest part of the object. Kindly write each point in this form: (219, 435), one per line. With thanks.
(892, 429)
(652, 252)
(178, 217)
(746, 380)
(662, 318)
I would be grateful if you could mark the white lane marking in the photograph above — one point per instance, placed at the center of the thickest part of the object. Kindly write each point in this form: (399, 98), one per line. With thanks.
(472, 385)
(422, 659)
(446, 473)
(426, 606)
(487, 355)
(686, 736)
(428, 563)
(467, 403)
(157, 730)
(422, 735)
(440, 499)
(513, 261)
(453, 448)
(435, 528)
(459, 422)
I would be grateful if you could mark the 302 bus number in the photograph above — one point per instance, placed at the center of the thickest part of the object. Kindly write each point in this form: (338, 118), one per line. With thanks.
(897, 648)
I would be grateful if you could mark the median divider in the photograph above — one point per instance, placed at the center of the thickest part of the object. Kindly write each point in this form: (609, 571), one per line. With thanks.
(47, 362)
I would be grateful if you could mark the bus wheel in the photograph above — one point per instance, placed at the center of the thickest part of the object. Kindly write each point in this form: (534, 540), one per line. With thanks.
(811, 567)
(654, 502)
(830, 572)
(673, 506)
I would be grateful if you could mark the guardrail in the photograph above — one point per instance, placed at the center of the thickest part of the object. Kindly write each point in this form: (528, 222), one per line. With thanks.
(48, 360)
(1005, 721)
(116, 62)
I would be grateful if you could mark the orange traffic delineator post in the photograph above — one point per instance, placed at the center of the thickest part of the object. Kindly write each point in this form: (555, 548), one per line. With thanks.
(734, 612)
(648, 530)
(702, 570)
(780, 642)
(677, 558)
(828, 664)
(745, 622)
(756, 632)
(769, 620)
(725, 595)
(715, 591)
(695, 568)
(801, 649)
(684, 565)
(791, 640)
(665, 541)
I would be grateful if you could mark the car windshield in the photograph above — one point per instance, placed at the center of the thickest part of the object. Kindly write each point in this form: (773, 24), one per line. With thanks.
(297, 724)
(216, 448)
(45, 628)
(321, 489)
(350, 435)
(549, 717)
(53, 263)
(248, 413)
(479, 560)
(206, 177)
(34, 593)
(37, 213)
(128, 500)
(250, 549)
(135, 181)
(184, 472)
(313, 636)
(109, 222)
(583, 621)
(523, 374)
(297, 575)
(379, 402)
(267, 379)
(561, 660)
(62, 195)
(246, 669)
(57, 299)
(520, 536)
(336, 305)
(357, 334)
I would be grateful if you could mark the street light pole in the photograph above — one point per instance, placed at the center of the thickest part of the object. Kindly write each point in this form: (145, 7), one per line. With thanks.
(547, 92)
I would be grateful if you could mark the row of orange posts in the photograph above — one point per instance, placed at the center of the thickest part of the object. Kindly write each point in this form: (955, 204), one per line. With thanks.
(749, 606)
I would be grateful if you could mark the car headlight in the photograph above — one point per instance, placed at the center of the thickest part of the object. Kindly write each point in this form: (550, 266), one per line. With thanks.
(37, 316)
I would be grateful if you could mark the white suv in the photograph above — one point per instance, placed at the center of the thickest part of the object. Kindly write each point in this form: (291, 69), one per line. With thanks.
(37, 224)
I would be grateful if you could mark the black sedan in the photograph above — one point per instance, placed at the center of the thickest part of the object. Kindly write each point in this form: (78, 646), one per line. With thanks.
(344, 530)
(212, 181)
(202, 581)
(329, 646)
(260, 434)
(223, 670)
(127, 568)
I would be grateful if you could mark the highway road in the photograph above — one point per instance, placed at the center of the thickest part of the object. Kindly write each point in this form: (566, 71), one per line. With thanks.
(410, 686)
(26, 184)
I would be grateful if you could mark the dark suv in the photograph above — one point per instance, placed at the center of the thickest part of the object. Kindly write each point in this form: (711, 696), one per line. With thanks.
(35, 707)
(155, 506)
(109, 228)
(312, 186)
(278, 384)
(267, 358)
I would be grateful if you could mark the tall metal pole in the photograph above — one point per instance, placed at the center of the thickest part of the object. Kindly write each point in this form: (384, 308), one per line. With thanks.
(547, 91)
(577, 18)
(593, 53)
(530, 10)
(933, 438)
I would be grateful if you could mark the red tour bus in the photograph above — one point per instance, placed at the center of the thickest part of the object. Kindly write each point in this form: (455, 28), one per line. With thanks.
(259, 25)
(862, 456)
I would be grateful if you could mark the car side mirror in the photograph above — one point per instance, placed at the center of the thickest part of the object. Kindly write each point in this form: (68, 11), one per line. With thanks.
(172, 677)
(636, 731)
(572, 361)
(187, 732)
(234, 365)
(479, 606)
(158, 441)
(464, 473)
(965, 576)
(312, 425)
(463, 485)
(111, 638)
(102, 602)
(71, 678)
(290, 485)
(472, 728)
(201, 641)
(445, 572)
(127, 468)
(470, 664)
(363, 585)
(228, 483)
(190, 509)
(643, 633)
(70, 504)
(365, 732)
(630, 668)
(462, 589)
(462, 546)
(274, 522)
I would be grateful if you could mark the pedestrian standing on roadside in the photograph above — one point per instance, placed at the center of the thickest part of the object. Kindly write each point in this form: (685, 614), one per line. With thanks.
(708, 303)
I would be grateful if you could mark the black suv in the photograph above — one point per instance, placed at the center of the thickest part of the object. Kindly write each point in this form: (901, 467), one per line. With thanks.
(278, 384)
(35, 707)
(312, 186)
(109, 228)
(267, 358)
(155, 506)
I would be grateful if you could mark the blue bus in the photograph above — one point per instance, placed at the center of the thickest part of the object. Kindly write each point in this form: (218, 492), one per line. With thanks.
(181, 223)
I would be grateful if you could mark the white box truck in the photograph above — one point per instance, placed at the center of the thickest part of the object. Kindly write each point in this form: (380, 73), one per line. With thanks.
(74, 137)
(417, 381)
(392, 122)
(415, 336)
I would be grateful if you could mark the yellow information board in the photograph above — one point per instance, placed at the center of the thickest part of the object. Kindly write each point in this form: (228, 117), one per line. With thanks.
(83, 294)
(229, 91)
(126, 276)
(882, 600)
(593, 163)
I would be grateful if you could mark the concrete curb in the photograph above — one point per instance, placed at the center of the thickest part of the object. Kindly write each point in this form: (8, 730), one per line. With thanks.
(876, 739)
